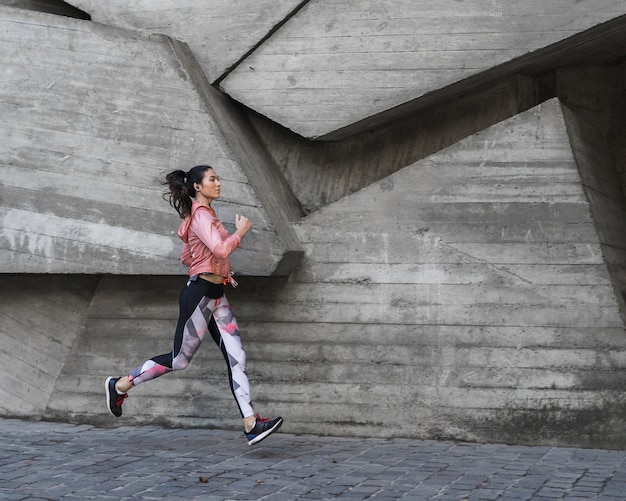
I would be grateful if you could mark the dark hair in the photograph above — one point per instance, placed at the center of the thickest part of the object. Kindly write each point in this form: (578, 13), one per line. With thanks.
(181, 189)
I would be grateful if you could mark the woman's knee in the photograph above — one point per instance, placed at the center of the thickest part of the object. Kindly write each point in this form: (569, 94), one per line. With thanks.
(180, 363)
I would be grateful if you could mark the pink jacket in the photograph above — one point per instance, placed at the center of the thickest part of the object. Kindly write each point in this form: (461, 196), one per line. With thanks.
(207, 244)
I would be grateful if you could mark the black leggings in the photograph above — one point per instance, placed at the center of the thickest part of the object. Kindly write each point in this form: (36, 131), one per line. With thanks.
(203, 308)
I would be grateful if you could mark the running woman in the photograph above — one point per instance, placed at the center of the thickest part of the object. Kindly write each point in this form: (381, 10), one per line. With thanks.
(203, 305)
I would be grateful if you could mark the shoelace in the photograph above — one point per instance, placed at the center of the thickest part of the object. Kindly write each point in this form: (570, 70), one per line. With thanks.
(262, 419)
(120, 399)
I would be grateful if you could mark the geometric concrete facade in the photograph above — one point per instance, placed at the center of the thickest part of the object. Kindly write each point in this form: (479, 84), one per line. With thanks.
(87, 147)
(336, 68)
(451, 267)
(325, 69)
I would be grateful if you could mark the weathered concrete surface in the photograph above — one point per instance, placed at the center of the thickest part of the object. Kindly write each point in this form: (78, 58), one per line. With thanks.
(40, 320)
(50, 6)
(468, 295)
(465, 297)
(595, 108)
(57, 7)
(93, 117)
(477, 281)
(329, 69)
(335, 65)
(219, 32)
(322, 172)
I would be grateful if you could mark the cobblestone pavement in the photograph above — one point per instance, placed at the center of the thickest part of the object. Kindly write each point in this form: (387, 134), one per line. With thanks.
(56, 461)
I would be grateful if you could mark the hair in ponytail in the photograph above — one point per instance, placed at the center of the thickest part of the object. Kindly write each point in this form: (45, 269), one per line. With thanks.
(181, 188)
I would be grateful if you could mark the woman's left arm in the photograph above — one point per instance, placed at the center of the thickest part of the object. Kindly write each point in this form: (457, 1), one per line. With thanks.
(207, 230)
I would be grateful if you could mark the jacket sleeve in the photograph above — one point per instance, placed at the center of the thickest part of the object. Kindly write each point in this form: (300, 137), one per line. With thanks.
(207, 228)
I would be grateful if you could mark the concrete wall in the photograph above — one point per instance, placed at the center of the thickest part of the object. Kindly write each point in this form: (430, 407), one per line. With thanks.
(58, 7)
(594, 110)
(89, 135)
(332, 68)
(336, 66)
(219, 32)
(465, 296)
(42, 317)
(463, 261)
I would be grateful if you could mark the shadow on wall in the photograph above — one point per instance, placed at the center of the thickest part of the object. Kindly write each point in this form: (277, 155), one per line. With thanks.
(322, 172)
(49, 6)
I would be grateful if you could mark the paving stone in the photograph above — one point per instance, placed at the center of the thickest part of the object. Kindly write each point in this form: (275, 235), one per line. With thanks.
(69, 463)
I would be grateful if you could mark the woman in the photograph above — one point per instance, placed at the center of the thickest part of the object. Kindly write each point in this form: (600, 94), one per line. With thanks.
(203, 305)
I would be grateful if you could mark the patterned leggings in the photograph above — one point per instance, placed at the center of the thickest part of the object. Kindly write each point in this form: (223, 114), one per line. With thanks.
(203, 308)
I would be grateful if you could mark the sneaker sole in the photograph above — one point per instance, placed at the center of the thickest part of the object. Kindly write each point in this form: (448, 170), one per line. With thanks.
(108, 395)
(265, 434)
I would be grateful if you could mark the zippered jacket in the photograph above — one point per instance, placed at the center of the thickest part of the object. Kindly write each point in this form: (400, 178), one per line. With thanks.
(207, 243)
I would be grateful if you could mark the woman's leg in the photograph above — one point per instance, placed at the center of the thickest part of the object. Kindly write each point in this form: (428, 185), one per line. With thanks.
(211, 313)
(225, 332)
(190, 331)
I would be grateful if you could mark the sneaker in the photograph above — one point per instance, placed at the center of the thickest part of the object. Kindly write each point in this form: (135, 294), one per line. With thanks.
(114, 399)
(263, 428)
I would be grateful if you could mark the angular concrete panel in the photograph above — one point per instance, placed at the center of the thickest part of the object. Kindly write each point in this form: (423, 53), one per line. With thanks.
(40, 320)
(220, 32)
(92, 119)
(335, 64)
(470, 294)
(593, 103)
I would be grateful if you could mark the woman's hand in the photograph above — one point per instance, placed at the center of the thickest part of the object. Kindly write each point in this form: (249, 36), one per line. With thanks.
(243, 224)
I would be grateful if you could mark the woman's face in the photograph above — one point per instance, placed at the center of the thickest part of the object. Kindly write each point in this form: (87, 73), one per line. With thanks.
(210, 186)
